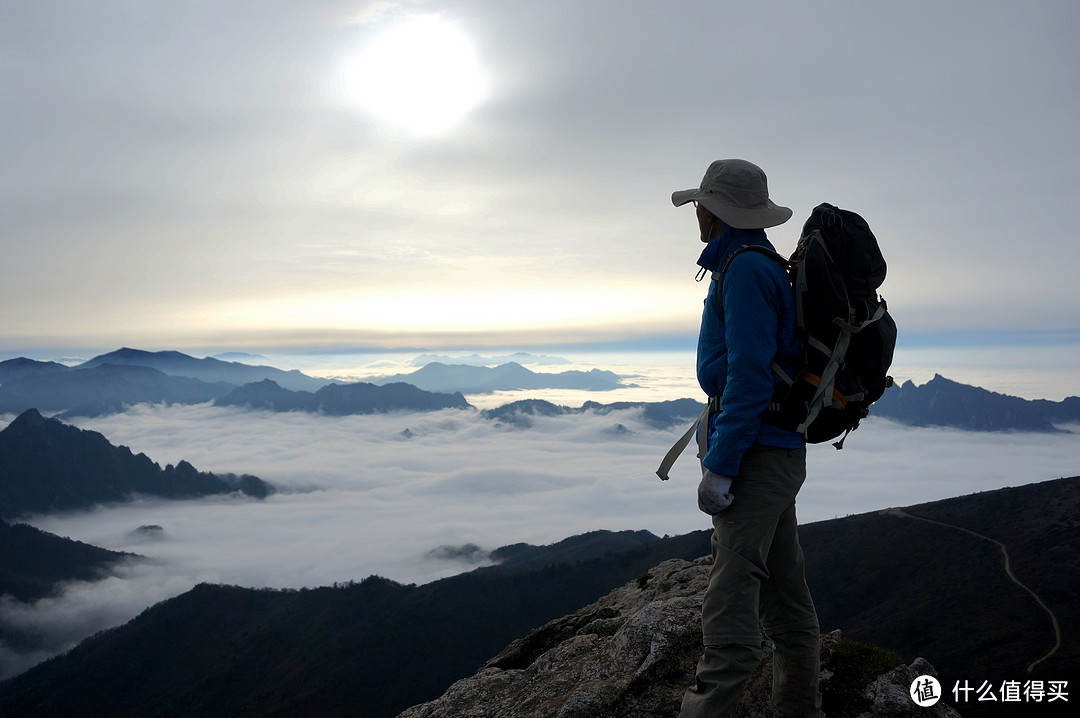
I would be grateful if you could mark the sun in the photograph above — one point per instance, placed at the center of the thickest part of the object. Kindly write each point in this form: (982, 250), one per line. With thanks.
(421, 76)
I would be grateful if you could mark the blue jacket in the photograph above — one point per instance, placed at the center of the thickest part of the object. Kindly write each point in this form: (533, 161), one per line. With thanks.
(736, 349)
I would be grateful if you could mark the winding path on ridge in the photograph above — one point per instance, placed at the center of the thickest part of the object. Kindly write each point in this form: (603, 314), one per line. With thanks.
(1008, 571)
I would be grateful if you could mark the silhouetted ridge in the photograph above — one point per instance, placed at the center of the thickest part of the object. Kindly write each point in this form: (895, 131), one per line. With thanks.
(342, 399)
(525, 557)
(19, 367)
(658, 414)
(127, 355)
(33, 561)
(47, 465)
(106, 388)
(267, 395)
(943, 402)
(371, 647)
(377, 646)
(208, 369)
(111, 382)
(469, 379)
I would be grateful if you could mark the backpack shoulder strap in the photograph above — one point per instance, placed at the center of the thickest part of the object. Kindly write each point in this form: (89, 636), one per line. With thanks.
(719, 276)
(752, 248)
(700, 428)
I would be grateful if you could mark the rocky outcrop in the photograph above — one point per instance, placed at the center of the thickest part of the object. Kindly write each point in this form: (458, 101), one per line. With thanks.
(633, 653)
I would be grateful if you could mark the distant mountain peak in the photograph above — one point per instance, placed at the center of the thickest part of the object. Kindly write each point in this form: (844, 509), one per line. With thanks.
(509, 376)
(31, 418)
(945, 402)
(209, 369)
(128, 354)
(13, 369)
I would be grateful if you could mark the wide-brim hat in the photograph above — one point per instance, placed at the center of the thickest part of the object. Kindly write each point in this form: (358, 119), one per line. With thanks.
(737, 192)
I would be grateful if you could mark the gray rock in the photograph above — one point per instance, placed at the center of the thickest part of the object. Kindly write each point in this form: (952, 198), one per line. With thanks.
(631, 655)
(890, 695)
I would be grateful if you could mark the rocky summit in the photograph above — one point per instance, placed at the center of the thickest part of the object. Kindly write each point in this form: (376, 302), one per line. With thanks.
(633, 653)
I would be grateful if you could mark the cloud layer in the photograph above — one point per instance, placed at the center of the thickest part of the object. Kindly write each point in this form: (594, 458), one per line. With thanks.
(359, 498)
(377, 494)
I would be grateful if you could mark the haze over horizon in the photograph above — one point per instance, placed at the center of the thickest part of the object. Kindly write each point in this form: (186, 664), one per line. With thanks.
(229, 176)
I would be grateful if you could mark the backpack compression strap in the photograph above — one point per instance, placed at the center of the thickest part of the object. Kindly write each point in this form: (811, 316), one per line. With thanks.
(701, 428)
(826, 383)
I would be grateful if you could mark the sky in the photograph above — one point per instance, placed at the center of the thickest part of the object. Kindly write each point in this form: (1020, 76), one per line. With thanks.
(228, 174)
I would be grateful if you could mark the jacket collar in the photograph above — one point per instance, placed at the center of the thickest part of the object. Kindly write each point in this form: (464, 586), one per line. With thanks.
(718, 250)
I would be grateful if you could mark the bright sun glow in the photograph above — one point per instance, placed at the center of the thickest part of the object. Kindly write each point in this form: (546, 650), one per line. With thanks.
(437, 310)
(421, 76)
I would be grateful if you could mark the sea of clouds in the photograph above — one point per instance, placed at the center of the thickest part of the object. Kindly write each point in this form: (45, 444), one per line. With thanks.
(362, 495)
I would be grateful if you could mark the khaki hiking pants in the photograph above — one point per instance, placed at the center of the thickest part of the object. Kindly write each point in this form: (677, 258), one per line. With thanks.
(757, 579)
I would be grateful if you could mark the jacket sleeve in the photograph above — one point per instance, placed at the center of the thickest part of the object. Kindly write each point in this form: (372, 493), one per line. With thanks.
(751, 316)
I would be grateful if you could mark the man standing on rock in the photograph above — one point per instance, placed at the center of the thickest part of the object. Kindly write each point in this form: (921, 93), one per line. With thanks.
(751, 470)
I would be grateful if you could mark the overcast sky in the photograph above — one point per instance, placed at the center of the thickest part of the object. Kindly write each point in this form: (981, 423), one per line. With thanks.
(230, 174)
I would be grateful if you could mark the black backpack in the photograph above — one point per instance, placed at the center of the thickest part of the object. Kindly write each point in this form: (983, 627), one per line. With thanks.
(847, 333)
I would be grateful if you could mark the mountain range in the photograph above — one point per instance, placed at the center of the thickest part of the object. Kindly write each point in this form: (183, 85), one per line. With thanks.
(208, 369)
(111, 382)
(34, 565)
(103, 389)
(928, 580)
(17, 368)
(47, 465)
(657, 414)
(341, 399)
(34, 562)
(489, 360)
(467, 379)
(172, 363)
(943, 402)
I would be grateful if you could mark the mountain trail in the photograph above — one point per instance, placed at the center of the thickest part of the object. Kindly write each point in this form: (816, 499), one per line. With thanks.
(898, 512)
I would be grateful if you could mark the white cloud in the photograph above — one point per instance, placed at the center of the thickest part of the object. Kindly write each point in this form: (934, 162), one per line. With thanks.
(359, 498)
(462, 478)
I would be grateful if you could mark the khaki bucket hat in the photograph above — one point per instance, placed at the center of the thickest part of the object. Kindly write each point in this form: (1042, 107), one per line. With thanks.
(737, 192)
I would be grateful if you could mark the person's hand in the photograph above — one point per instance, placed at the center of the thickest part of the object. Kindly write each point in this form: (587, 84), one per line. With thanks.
(714, 492)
